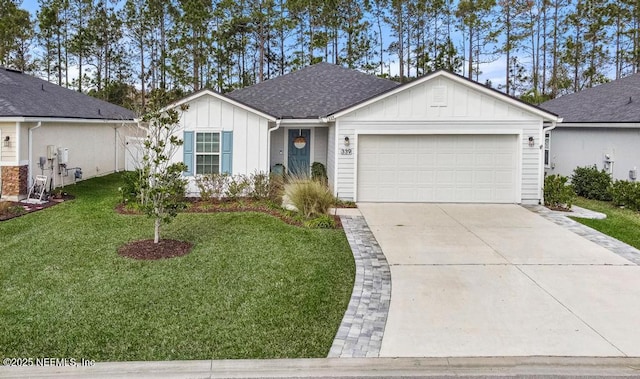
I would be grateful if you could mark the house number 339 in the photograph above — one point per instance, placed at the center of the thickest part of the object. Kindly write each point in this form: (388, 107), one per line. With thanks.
(346, 151)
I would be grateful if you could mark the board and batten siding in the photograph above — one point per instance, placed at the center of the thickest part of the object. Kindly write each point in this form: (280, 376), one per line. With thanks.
(462, 110)
(210, 114)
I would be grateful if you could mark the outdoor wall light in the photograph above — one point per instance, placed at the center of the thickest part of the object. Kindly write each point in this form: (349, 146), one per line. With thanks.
(346, 141)
(7, 141)
(531, 142)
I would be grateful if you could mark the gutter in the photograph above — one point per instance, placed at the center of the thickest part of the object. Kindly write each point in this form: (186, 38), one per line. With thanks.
(30, 158)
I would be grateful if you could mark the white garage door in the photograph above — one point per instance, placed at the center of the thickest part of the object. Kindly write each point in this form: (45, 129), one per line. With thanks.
(437, 168)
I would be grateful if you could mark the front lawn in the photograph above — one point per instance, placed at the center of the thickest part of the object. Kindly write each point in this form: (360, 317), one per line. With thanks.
(622, 224)
(253, 286)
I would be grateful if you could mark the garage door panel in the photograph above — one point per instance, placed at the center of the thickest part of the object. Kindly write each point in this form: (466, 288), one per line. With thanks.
(464, 178)
(465, 159)
(425, 177)
(444, 178)
(484, 177)
(437, 168)
(503, 177)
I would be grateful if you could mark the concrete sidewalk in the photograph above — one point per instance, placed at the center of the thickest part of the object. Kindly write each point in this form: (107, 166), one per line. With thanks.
(534, 367)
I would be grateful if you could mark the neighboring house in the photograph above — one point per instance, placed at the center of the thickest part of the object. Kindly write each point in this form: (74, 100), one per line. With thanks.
(601, 126)
(440, 138)
(49, 130)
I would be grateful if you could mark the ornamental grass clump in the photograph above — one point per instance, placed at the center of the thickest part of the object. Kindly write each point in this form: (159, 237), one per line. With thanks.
(310, 197)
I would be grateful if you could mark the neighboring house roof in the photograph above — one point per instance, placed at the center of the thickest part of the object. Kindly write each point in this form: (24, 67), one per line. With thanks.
(614, 102)
(312, 92)
(23, 95)
(546, 114)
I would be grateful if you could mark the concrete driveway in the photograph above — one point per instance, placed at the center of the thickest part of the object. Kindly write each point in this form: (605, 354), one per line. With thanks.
(499, 280)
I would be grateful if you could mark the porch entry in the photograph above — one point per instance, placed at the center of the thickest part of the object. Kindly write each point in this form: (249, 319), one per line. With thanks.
(299, 147)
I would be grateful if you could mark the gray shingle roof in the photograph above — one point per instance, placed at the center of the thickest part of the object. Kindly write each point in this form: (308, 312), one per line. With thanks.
(23, 95)
(314, 91)
(616, 101)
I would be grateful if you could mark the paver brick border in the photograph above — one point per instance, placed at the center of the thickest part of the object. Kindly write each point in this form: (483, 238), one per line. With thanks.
(360, 333)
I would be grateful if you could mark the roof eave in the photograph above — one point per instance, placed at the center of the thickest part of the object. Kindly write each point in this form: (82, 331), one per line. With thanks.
(65, 119)
(601, 124)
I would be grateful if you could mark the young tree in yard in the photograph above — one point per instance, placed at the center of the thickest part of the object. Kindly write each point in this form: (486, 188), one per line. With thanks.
(161, 182)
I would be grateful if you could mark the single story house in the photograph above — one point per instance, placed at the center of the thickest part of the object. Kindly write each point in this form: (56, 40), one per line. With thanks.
(439, 138)
(49, 130)
(601, 126)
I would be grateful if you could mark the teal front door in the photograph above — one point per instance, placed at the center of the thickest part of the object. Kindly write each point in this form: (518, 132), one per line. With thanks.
(299, 151)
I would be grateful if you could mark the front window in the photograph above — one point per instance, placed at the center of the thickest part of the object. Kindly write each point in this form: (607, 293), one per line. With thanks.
(547, 149)
(207, 153)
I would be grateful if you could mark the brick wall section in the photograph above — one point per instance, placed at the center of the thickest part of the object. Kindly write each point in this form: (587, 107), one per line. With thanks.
(14, 180)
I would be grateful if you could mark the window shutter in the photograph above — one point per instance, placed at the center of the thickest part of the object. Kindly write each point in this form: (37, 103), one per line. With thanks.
(227, 153)
(187, 148)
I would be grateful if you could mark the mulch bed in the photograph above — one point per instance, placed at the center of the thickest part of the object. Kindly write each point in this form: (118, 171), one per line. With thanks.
(30, 208)
(217, 206)
(147, 250)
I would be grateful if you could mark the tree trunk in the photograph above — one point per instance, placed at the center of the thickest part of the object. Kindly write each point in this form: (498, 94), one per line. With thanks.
(508, 47)
(156, 232)
(470, 73)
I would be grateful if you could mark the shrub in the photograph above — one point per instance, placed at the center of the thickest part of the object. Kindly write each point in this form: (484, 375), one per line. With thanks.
(318, 172)
(212, 185)
(260, 185)
(310, 197)
(8, 208)
(557, 193)
(591, 183)
(237, 186)
(625, 193)
(130, 188)
(321, 222)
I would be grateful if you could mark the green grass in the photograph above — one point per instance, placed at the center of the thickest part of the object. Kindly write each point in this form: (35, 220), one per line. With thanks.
(622, 224)
(253, 286)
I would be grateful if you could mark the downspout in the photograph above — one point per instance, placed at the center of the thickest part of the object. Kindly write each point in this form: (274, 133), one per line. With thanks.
(544, 133)
(30, 178)
(269, 144)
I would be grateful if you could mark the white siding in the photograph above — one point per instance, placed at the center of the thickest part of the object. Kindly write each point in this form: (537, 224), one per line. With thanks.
(95, 147)
(465, 111)
(574, 147)
(320, 145)
(250, 152)
(277, 147)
